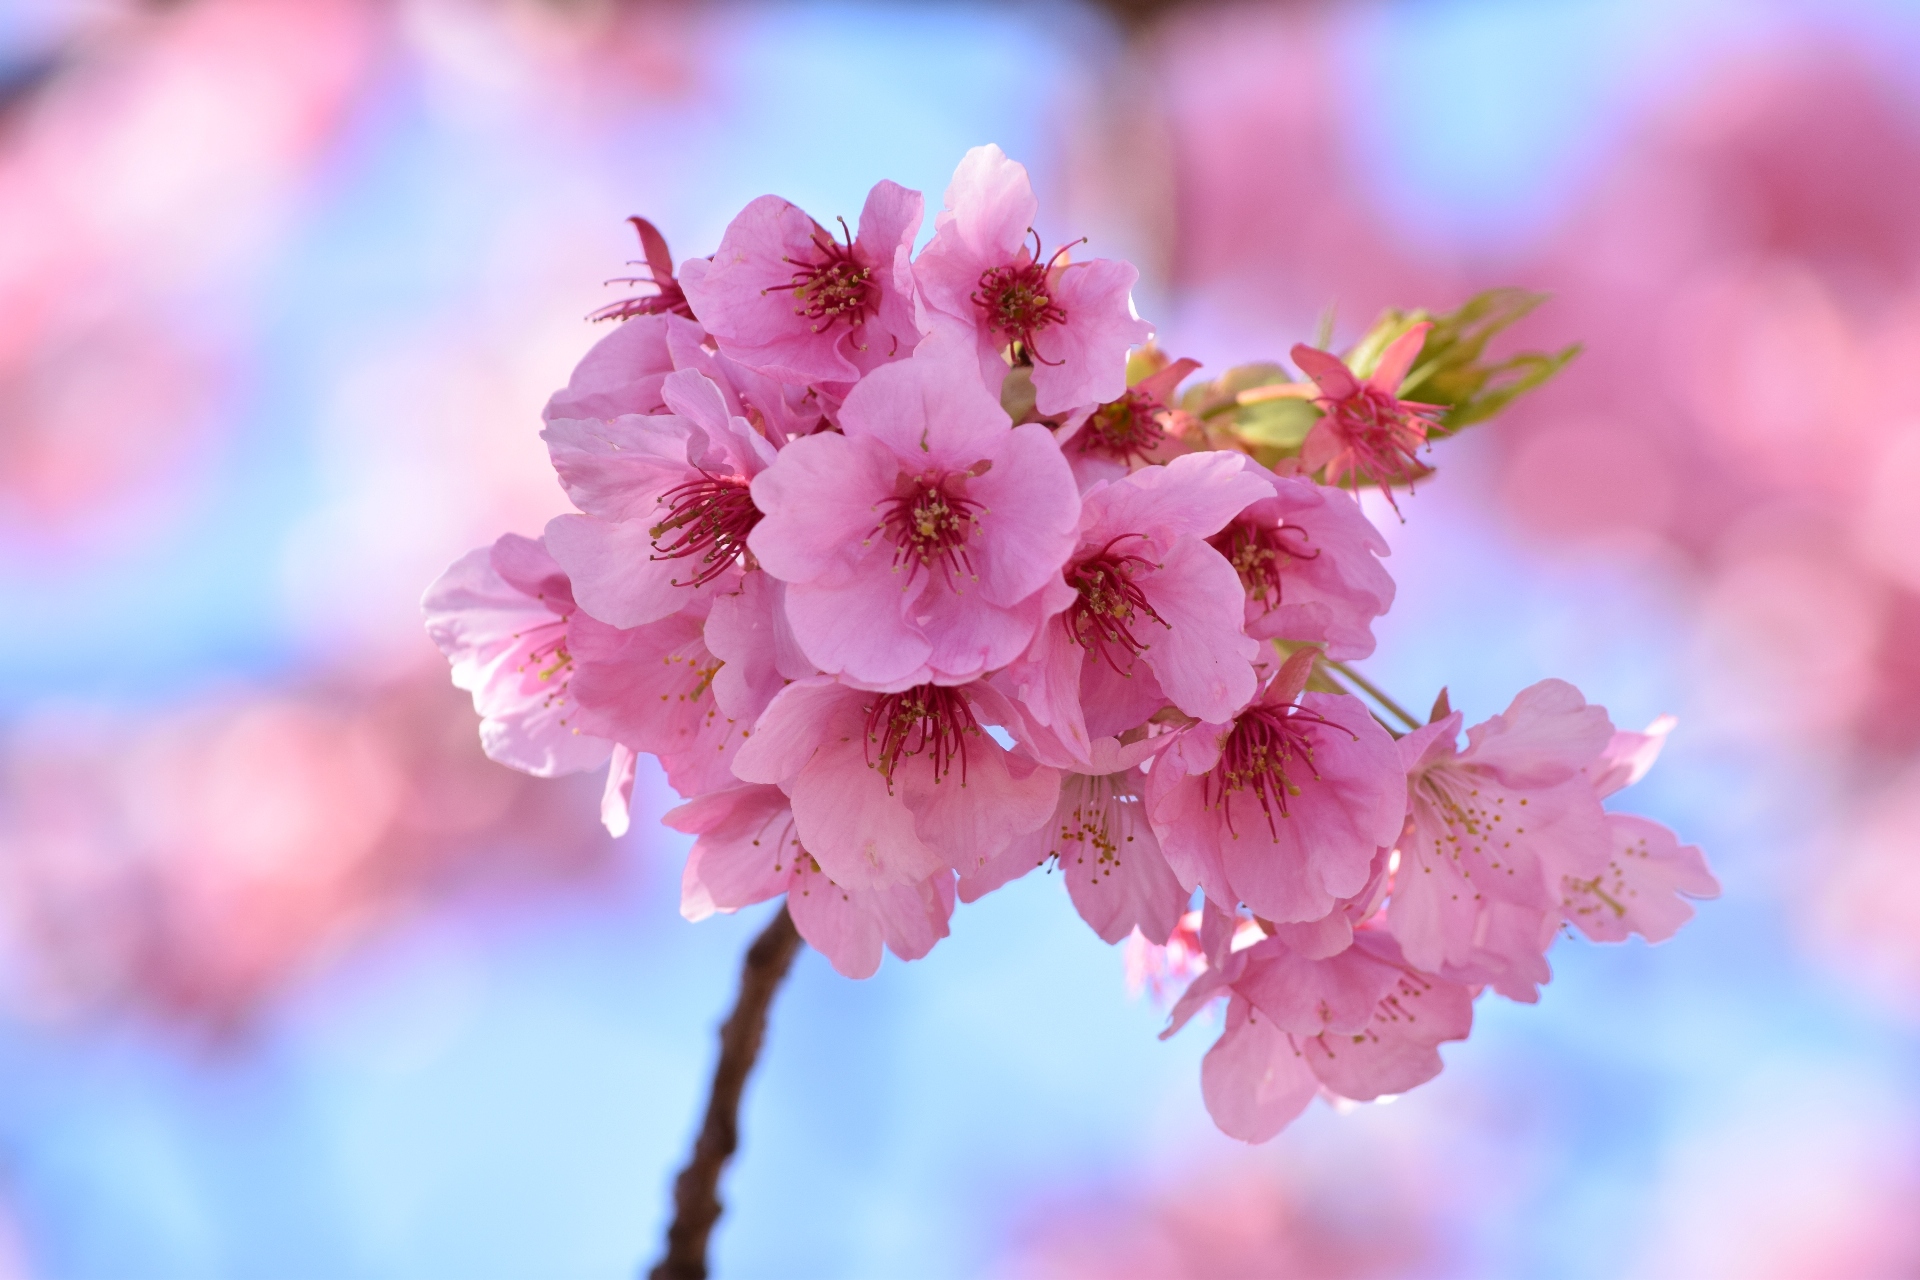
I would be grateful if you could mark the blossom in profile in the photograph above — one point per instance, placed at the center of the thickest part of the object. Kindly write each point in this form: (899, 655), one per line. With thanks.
(1073, 321)
(1650, 875)
(782, 294)
(1144, 612)
(1282, 807)
(1361, 1024)
(666, 499)
(1366, 435)
(667, 298)
(747, 851)
(915, 541)
(1309, 560)
(1104, 847)
(1491, 832)
(890, 788)
(500, 614)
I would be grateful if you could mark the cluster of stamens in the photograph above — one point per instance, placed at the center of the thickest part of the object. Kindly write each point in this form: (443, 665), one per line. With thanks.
(1382, 437)
(1098, 825)
(834, 287)
(1017, 299)
(1102, 615)
(1260, 553)
(548, 658)
(1127, 429)
(930, 522)
(708, 518)
(928, 719)
(1266, 742)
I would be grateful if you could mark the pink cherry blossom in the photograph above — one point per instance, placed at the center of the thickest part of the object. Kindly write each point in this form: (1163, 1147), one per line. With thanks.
(667, 501)
(652, 688)
(1309, 560)
(1074, 321)
(1491, 832)
(1142, 594)
(1365, 433)
(748, 851)
(500, 614)
(916, 541)
(889, 788)
(1283, 807)
(1107, 440)
(1360, 1024)
(1104, 847)
(783, 295)
(1641, 889)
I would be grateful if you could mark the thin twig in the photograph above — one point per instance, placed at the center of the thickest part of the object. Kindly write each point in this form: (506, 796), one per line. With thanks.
(696, 1199)
(1373, 692)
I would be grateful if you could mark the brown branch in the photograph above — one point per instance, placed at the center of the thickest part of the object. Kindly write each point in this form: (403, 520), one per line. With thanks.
(696, 1200)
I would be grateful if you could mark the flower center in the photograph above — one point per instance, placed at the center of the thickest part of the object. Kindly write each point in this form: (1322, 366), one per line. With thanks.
(1260, 553)
(835, 286)
(930, 522)
(928, 719)
(1125, 428)
(1265, 744)
(1100, 823)
(1101, 617)
(1017, 299)
(708, 518)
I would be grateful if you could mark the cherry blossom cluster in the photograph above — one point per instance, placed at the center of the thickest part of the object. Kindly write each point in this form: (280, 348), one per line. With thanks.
(919, 572)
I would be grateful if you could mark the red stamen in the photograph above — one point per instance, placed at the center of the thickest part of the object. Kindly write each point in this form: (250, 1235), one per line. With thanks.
(1017, 299)
(1100, 618)
(1260, 553)
(930, 522)
(1127, 429)
(1264, 744)
(834, 288)
(667, 298)
(709, 518)
(1381, 437)
(929, 718)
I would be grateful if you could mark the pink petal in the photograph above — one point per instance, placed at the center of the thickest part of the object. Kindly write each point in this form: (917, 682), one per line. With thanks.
(1398, 358)
(931, 412)
(745, 854)
(1083, 361)
(863, 836)
(1329, 372)
(616, 470)
(1127, 887)
(1548, 734)
(821, 498)
(1640, 890)
(1195, 494)
(620, 375)
(1253, 1081)
(616, 801)
(1201, 657)
(615, 577)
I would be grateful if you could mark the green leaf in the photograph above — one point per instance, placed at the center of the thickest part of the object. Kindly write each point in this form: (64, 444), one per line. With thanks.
(1450, 369)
